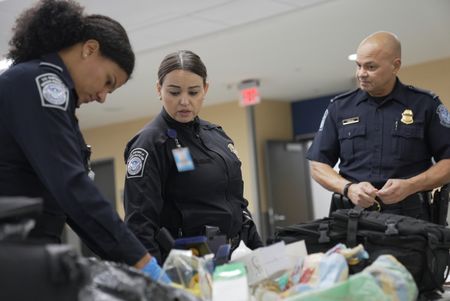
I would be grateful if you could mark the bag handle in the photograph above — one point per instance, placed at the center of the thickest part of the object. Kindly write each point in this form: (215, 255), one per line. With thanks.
(352, 226)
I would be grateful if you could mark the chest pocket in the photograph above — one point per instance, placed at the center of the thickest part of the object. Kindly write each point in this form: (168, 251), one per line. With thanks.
(408, 142)
(352, 140)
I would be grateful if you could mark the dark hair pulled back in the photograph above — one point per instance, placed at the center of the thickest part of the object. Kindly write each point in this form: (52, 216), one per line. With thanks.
(52, 25)
(182, 60)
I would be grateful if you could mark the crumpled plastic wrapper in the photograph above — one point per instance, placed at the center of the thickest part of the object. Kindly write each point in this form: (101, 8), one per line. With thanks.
(394, 278)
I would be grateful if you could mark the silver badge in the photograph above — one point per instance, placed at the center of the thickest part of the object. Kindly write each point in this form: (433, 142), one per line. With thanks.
(53, 92)
(136, 163)
(444, 115)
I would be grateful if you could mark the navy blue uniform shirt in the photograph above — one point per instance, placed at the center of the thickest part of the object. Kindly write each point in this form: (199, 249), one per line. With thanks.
(157, 195)
(43, 154)
(375, 140)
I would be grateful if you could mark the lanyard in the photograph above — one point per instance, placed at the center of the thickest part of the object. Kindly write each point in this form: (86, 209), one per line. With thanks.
(171, 133)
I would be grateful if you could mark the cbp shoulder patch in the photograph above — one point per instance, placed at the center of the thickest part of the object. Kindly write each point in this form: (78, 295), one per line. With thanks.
(136, 163)
(53, 92)
(444, 115)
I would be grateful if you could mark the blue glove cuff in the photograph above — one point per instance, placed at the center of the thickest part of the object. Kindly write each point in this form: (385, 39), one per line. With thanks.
(154, 271)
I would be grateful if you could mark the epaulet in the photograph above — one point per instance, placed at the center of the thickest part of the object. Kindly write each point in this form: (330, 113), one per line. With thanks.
(344, 94)
(208, 125)
(52, 66)
(422, 91)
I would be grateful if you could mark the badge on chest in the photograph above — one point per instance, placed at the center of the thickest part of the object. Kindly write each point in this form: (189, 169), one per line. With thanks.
(183, 159)
(407, 117)
(181, 155)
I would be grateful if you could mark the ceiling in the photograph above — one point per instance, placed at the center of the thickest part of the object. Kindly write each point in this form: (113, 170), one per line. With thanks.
(297, 48)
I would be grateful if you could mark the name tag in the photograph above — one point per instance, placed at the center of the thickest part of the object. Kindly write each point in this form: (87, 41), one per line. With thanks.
(350, 120)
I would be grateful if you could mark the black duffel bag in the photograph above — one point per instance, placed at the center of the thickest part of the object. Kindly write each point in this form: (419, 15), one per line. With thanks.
(422, 247)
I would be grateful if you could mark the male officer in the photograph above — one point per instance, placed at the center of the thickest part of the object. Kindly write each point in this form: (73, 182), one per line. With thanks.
(386, 135)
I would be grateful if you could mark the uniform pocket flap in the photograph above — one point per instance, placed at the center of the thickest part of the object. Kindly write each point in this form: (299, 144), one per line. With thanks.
(409, 131)
(348, 132)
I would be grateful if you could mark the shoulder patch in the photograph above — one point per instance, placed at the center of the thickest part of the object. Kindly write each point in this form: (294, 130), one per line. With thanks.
(208, 125)
(344, 94)
(423, 91)
(136, 163)
(444, 115)
(53, 92)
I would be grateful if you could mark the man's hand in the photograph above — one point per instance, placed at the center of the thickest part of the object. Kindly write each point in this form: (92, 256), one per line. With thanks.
(394, 191)
(362, 194)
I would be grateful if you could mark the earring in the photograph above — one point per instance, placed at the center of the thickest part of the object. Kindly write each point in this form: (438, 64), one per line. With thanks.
(84, 55)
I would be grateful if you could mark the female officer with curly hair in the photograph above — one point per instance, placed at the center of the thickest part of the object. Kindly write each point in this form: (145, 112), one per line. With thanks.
(63, 58)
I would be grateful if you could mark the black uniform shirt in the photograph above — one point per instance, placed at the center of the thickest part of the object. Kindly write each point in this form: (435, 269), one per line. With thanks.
(375, 140)
(42, 154)
(157, 195)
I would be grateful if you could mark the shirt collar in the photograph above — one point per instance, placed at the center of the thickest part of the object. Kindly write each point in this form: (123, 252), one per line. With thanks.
(397, 94)
(55, 59)
(173, 123)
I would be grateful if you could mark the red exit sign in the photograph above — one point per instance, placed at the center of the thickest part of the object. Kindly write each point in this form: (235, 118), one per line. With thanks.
(250, 96)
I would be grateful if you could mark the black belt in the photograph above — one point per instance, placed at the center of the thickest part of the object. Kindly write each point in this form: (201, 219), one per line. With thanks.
(416, 200)
(416, 205)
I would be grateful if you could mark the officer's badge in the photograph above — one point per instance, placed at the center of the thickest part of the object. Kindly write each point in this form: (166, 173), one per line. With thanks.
(444, 115)
(233, 149)
(53, 92)
(407, 117)
(136, 163)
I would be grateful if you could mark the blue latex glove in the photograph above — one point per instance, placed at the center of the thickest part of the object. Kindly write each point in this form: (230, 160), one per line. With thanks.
(155, 272)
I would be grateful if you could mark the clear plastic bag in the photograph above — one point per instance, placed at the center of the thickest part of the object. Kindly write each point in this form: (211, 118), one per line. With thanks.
(190, 272)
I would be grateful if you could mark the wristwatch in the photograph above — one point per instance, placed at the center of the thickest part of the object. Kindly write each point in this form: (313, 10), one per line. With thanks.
(346, 187)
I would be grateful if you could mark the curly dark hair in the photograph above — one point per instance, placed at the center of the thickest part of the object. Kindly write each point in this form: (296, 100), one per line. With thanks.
(52, 25)
(184, 60)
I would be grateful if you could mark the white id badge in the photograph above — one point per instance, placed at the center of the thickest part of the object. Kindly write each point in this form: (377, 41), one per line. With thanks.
(183, 159)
